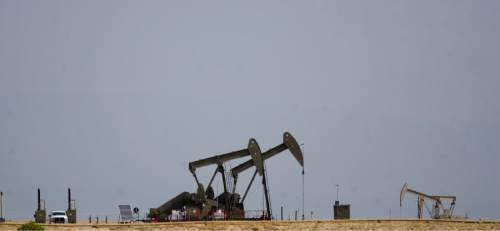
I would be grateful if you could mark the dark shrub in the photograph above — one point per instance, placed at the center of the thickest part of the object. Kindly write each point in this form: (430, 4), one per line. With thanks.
(30, 226)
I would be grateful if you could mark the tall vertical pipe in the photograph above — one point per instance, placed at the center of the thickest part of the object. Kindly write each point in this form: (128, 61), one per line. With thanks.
(69, 198)
(39, 205)
(1, 205)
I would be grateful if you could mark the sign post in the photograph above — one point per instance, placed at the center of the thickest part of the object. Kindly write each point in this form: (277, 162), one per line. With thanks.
(136, 211)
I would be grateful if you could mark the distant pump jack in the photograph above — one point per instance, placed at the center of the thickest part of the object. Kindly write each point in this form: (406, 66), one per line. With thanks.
(438, 210)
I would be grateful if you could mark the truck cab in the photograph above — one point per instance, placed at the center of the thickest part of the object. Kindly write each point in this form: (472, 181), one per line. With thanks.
(58, 217)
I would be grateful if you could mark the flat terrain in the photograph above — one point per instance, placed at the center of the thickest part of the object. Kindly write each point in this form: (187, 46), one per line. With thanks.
(283, 225)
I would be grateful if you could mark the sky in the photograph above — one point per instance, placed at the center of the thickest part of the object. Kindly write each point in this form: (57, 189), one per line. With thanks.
(115, 98)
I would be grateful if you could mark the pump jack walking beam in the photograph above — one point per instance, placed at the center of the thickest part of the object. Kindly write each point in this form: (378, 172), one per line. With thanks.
(288, 143)
(219, 160)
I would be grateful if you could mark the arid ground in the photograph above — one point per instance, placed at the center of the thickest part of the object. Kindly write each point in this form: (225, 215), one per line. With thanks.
(283, 225)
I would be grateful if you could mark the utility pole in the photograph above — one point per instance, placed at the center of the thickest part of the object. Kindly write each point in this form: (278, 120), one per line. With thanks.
(337, 186)
(303, 195)
(303, 191)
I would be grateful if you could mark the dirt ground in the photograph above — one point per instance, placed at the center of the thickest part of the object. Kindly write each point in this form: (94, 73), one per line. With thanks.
(282, 225)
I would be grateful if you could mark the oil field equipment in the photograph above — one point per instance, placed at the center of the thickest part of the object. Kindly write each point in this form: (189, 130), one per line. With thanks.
(125, 214)
(438, 210)
(341, 211)
(71, 212)
(258, 159)
(40, 214)
(204, 204)
(2, 219)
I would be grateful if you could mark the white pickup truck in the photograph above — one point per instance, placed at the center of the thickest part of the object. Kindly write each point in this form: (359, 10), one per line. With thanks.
(58, 217)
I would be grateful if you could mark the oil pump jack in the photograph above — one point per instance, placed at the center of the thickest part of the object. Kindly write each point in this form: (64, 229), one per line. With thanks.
(258, 159)
(203, 203)
(438, 210)
(227, 199)
(203, 199)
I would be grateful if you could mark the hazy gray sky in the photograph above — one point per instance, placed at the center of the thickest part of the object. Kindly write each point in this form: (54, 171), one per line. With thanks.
(114, 98)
